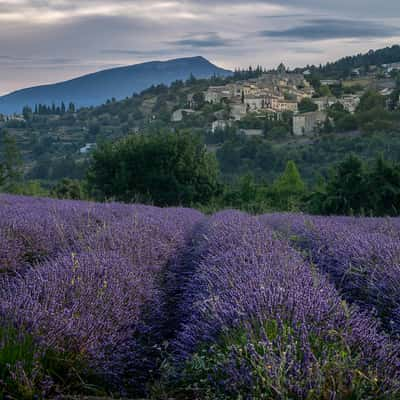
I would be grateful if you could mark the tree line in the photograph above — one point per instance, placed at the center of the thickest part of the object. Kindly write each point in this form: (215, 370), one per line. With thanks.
(343, 67)
(44, 109)
(175, 169)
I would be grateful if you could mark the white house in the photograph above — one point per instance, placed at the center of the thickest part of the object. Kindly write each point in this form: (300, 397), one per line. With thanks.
(14, 117)
(330, 82)
(219, 124)
(87, 148)
(350, 102)
(386, 91)
(392, 67)
(252, 132)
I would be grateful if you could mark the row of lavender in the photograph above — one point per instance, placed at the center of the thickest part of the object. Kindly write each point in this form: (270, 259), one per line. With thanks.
(235, 310)
(273, 326)
(361, 255)
(84, 278)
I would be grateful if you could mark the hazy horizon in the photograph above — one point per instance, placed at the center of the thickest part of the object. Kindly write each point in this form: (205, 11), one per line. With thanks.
(65, 39)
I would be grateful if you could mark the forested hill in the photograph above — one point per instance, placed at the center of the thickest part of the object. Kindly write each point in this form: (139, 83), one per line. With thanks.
(343, 67)
(119, 83)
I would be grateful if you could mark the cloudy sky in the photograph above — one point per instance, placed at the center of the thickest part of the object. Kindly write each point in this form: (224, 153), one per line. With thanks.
(44, 41)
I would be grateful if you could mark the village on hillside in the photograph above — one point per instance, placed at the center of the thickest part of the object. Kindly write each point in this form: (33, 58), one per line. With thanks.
(278, 92)
(279, 106)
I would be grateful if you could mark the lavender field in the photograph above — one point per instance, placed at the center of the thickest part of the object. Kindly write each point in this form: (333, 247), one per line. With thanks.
(135, 301)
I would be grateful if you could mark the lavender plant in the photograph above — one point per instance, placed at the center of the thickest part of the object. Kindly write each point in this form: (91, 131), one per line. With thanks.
(261, 323)
(220, 307)
(95, 291)
(362, 257)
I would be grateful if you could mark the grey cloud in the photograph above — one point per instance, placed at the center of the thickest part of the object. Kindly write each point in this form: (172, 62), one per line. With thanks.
(211, 39)
(53, 5)
(341, 7)
(283, 16)
(12, 58)
(60, 67)
(128, 52)
(305, 50)
(325, 29)
(347, 7)
(354, 8)
(37, 61)
(88, 35)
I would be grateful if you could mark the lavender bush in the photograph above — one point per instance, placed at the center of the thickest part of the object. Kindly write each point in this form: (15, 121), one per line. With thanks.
(95, 291)
(258, 322)
(194, 307)
(362, 256)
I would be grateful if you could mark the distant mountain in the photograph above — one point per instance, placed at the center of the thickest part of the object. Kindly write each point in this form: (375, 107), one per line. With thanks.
(94, 89)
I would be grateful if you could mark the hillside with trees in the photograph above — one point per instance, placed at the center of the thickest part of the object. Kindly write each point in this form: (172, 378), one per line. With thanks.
(344, 67)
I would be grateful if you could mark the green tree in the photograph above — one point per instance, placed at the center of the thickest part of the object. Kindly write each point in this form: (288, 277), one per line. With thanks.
(289, 188)
(347, 189)
(317, 197)
(383, 188)
(281, 68)
(347, 122)
(164, 168)
(198, 99)
(328, 127)
(314, 81)
(12, 160)
(27, 113)
(354, 189)
(307, 105)
(29, 188)
(68, 189)
(325, 91)
(371, 100)
(71, 107)
(247, 195)
(2, 175)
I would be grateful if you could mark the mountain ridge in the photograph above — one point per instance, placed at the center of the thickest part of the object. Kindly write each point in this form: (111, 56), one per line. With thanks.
(95, 88)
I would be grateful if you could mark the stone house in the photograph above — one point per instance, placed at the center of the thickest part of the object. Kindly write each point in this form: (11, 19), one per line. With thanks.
(249, 90)
(324, 103)
(287, 105)
(215, 94)
(178, 115)
(273, 102)
(238, 110)
(350, 102)
(255, 103)
(307, 123)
